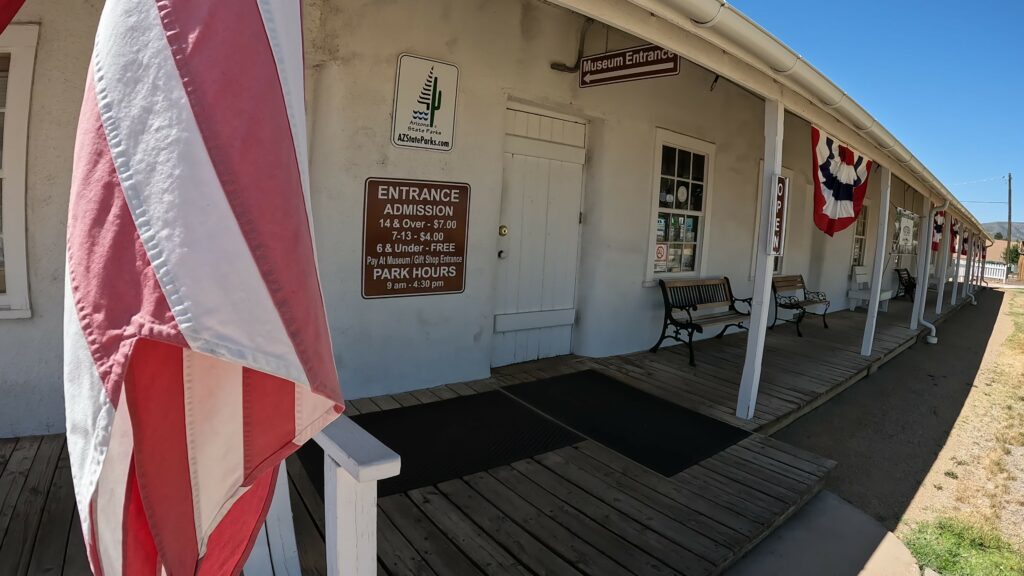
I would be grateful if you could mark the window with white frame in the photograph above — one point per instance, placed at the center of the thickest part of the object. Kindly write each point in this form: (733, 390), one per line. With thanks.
(860, 237)
(17, 58)
(680, 206)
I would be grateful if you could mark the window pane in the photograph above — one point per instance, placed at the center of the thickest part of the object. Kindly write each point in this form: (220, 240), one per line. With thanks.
(690, 229)
(667, 193)
(661, 227)
(675, 228)
(682, 195)
(689, 257)
(698, 167)
(862, 222)
(697, 197)
(668, 161)
(675, 254)
(683, 165)
(858, 251)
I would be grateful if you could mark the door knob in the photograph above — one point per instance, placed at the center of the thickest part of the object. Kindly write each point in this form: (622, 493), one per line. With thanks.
(501, 254)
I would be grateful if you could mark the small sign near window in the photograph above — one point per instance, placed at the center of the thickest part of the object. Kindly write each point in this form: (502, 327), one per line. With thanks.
(777, 239)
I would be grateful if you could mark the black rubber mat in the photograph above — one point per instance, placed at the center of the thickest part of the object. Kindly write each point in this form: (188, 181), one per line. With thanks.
(449, 439)
(663, 436)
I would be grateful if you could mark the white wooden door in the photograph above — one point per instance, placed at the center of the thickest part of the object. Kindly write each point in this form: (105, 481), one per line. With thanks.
(538, 242)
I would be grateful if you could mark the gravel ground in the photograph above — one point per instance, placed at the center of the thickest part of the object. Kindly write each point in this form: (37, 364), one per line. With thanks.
(936, 431)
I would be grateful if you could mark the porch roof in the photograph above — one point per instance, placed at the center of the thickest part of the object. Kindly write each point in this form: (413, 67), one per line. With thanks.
(719, 37)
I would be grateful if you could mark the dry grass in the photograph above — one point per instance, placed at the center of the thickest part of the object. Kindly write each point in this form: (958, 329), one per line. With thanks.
(975, 493)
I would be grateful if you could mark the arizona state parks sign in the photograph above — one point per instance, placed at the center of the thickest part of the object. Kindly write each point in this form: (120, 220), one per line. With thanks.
(414, 237)
(424, 112)
(636, 63)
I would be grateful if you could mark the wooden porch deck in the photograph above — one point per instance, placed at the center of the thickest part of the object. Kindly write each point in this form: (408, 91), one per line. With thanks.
(583, 509)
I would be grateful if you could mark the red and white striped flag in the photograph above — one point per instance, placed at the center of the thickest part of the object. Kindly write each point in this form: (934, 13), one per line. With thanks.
(197, 353)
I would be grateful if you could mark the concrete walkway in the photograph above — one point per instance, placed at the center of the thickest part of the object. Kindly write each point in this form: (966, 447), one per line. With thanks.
(828, 536)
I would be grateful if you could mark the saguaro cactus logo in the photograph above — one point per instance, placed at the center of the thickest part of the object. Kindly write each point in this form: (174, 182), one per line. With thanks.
(430, 98)
(426, 94)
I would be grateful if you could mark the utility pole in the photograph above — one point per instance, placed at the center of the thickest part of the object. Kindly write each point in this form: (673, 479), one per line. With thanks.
(1009, 209)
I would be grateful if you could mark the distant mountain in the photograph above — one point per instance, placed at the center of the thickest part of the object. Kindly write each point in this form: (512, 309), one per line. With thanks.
(993, 227)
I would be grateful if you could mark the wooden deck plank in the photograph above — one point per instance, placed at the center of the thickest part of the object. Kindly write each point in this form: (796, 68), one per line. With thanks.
(488, 555)
(395, 552)
(677, 491)
(16, 550)
(503, 530)
(581, 554)
(679, 512)
(76, 561)
(681, 534)
(627, 528)
(13, 478)
(631, 559)
(424, 536)
(386, 402)
(6, 449)
(309, 536)
(363, 405)
(55, 525)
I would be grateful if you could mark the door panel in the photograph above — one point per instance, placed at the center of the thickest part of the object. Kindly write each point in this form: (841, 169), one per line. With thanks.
(537, 263)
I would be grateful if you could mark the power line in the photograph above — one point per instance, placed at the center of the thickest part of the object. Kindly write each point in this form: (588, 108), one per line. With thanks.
(981, 181)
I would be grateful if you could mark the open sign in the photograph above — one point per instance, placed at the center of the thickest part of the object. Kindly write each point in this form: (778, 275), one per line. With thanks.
(777, 239)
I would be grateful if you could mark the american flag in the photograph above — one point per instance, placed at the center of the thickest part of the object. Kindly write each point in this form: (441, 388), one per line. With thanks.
(197, 354)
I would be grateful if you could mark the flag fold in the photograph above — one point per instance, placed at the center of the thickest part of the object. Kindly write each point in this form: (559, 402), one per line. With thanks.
(197, 353)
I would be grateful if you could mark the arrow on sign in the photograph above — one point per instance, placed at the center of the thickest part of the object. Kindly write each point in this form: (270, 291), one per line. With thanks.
(591, 77)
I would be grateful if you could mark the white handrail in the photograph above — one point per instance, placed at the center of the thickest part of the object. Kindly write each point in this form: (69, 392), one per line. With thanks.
(353, 463)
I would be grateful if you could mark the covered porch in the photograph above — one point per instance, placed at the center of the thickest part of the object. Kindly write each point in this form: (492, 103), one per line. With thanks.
(580, 509)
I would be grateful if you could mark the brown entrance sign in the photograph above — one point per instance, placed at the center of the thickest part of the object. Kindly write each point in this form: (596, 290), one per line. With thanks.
(414, 237)
(627, 65)
(778, 233)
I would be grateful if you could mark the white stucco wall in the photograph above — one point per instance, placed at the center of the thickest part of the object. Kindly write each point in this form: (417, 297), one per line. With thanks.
(30, 350)
(504, 50)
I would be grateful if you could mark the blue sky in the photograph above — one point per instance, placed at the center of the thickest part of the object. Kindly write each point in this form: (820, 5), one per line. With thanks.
(945, 77)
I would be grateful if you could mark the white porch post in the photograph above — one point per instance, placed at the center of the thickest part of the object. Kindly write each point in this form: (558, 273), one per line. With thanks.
(942, 261)
(774, 115)
(924, 246)
(955, 257)
(967, 267)
(353, 463)
(878, 264)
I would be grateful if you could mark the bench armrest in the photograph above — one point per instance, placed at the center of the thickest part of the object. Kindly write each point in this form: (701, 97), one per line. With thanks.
(815, 295)
(781, 300)
(357, 452)
(746, 301)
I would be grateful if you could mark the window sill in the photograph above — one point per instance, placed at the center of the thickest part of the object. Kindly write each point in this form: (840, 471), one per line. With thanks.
(652, 282)
(15, 314)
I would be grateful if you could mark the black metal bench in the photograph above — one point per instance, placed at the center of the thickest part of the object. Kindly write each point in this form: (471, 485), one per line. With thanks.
(798, 303)
(908, 284)
(687, 296)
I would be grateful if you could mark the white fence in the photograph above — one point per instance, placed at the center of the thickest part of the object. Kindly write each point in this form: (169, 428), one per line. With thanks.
(993, 270)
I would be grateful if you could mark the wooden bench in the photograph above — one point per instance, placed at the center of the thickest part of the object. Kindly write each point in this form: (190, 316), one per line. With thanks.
(908, 284)
(798, 303)
(686, 297)
(860, 294)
